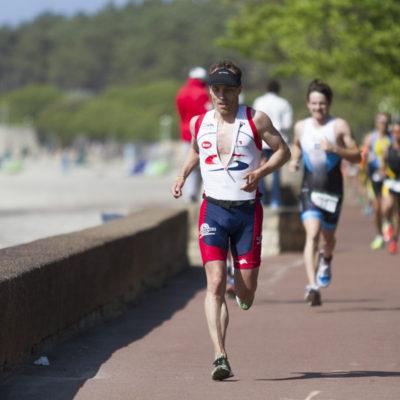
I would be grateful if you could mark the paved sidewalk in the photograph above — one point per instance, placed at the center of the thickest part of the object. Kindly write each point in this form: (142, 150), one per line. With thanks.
(348, 349)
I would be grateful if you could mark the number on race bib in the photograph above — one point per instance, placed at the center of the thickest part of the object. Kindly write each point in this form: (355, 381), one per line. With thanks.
(393, 185)
(325, 201)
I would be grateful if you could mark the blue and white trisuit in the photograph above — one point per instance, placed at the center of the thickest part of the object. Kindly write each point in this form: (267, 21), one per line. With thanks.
(322, 186)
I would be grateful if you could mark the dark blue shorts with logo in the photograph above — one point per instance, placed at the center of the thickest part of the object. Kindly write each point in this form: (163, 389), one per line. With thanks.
(239, 227)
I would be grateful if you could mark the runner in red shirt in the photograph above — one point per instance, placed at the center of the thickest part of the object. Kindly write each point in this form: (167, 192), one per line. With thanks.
(192, 99)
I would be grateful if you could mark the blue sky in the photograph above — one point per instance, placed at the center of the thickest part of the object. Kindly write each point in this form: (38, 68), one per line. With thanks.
(16, 11)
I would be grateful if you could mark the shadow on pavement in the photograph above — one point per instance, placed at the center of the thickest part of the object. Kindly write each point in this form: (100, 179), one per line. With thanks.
(80, 358)
(357, 309)
(337, 374)
(339, 301)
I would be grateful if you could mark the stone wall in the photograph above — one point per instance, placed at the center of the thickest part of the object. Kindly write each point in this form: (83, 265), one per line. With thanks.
(54, 285)
(282, 231)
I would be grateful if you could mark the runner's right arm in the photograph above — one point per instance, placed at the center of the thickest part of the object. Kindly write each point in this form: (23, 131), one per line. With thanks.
(296, 148)
(190, 163)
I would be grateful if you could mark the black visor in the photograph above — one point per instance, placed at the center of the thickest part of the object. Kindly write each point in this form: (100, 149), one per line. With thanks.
(224, 77)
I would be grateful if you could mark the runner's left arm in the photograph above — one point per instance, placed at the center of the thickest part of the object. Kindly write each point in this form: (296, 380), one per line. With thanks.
(273, 138)
(296, 147)
(347, 147)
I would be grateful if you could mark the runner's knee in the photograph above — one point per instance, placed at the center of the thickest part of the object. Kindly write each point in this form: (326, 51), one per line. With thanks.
(313, 237)
(216, 284)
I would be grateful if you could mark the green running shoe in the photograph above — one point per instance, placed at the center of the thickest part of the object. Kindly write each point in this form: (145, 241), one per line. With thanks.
(377, 243)
(243, 304)
(222, 369)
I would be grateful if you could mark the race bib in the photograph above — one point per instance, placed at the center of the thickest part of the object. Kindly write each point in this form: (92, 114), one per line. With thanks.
(393, 185)
(325, 201)
(376, 177)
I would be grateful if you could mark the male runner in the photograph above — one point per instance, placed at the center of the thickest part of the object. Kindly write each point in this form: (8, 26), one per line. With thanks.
(227, 144)
(378, 141)
(393, 183)
(322, 141)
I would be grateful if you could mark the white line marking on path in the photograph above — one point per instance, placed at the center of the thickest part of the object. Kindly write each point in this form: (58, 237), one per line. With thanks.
(280, 270)
(313, 394)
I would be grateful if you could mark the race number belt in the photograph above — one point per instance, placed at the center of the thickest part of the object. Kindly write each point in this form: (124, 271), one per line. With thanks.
(393, 185)
(227, 204)
(376, 177)
(325, 201)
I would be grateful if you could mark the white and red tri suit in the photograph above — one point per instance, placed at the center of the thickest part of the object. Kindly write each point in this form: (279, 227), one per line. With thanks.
(241, 225)
(224, 182)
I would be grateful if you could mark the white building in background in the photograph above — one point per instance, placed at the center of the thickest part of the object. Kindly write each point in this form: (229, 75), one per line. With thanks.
(18, 140)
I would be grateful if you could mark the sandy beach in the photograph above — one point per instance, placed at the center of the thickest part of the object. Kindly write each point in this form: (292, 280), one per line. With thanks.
(42, 200)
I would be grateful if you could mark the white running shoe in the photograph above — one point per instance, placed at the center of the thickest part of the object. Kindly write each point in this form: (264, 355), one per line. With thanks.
(324, 274)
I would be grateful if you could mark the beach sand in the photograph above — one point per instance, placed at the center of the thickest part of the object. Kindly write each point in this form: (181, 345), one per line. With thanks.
(42, 200)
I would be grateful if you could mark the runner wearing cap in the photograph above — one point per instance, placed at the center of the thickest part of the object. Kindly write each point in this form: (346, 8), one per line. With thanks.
(226, 142)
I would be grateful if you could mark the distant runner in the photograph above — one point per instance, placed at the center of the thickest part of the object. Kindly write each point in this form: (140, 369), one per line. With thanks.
(378, 142)
(322, 141)
(393, 184)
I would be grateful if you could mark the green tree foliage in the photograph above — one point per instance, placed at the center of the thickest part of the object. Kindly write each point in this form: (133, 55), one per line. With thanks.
(125, 113)
(29, 101)
(141, 42)
(28, 56)
(349, 43)
(130, 60)
(116, 73)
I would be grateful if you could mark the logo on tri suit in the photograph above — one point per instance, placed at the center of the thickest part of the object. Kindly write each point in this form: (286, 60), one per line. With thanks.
(206, 144)
(206, 230)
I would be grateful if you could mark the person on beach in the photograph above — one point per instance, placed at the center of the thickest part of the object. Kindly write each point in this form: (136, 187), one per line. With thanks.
(322, 141)
(227, 144)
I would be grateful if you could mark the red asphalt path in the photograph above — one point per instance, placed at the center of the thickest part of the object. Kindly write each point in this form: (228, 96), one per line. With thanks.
(348, 349)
